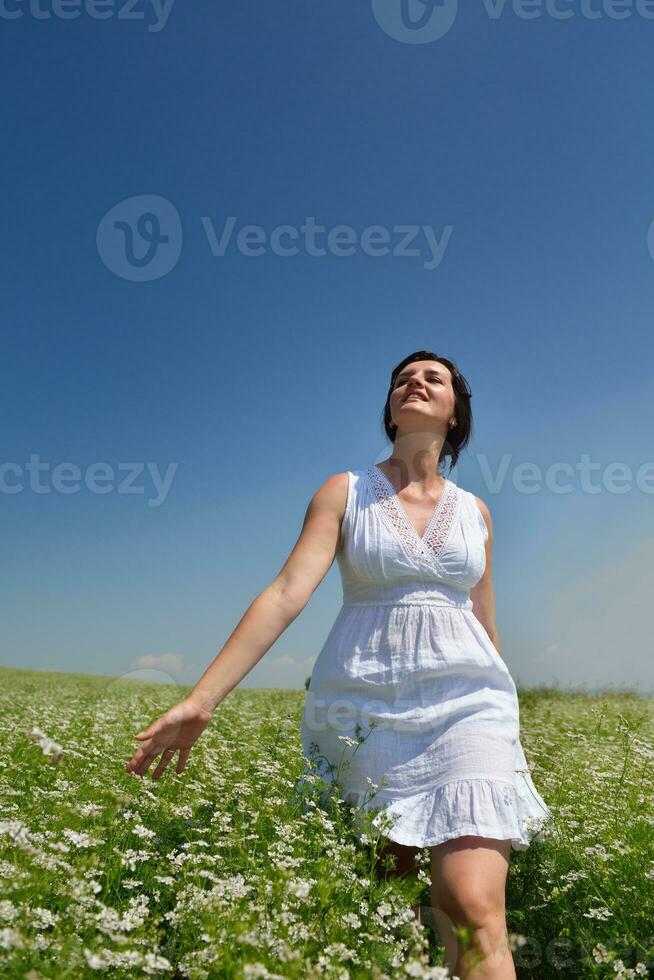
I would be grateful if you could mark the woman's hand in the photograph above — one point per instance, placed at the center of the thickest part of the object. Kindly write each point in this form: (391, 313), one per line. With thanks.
(179, 729)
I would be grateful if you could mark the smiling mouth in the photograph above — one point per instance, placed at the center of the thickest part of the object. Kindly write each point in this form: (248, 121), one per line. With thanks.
(418, 397)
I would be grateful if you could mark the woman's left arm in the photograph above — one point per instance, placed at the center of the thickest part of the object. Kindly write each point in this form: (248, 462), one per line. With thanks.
(483, 600)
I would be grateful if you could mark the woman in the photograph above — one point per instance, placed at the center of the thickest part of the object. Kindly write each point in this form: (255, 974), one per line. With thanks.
(411, 666)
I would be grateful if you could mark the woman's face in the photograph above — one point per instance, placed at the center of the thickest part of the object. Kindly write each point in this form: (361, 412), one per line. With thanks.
(423, 390)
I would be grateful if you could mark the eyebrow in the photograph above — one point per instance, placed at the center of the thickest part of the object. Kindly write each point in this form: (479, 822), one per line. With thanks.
(405, 374)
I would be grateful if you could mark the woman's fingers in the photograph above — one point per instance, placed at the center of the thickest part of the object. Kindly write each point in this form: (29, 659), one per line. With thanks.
(177, 730)
(165, 759)
(134, 761)
(148, 732)
(144, 759)
(144, 763)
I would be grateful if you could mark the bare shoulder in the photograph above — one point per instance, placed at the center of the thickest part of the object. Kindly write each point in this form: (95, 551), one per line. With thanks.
(485, 513)
(331, 495)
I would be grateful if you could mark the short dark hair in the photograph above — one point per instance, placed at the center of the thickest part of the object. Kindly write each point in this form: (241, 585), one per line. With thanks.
(459, 434)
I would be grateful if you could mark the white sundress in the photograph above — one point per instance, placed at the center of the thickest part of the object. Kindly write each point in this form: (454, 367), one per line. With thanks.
(408, 668)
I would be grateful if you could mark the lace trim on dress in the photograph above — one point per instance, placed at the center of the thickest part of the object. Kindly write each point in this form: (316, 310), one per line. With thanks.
(439, 524)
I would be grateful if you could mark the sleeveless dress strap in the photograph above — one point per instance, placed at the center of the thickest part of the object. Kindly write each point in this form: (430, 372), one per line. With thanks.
(349, 507)
(478, 517)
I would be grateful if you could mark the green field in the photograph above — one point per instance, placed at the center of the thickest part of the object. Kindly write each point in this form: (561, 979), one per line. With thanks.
(222, 872)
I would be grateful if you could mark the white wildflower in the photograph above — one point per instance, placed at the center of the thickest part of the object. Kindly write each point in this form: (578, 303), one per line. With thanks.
(82, 891)
(8, 911)
(599, 913)
(15, 829)
(130, 858)
(299, 888)
(89, 810)
(49, 748)
(11, 938)
(144, 832)
(76, 838)
(95, 962)
(155, 963)
(43, 918)
(414, 968)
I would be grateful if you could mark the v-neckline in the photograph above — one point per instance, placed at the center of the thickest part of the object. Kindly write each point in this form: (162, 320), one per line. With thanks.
(437, 529)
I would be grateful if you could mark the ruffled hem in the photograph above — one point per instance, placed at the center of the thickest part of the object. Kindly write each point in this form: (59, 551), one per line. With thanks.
(479, 806)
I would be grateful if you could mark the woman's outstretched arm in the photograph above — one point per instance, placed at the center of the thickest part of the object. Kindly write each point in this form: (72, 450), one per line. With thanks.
(275, 608)
(262, 624)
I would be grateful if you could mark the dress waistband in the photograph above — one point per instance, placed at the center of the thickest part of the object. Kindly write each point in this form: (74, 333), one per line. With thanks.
(407, 594)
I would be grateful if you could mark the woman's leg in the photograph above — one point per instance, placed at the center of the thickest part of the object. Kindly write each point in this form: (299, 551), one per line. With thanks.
(468, 876)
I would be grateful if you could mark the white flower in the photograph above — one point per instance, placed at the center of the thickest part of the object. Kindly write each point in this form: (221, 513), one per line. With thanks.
(131, 857)
(414, 968)
(299, 888)
(95, 962)
(352, 919)
(8, 911)
(82, 890)
(11, 938)
(15, 829)
(601, 913)
(155, 963)
(89, 810)
(142, 831)
(49, 748)
(79, 839)
(42, 918)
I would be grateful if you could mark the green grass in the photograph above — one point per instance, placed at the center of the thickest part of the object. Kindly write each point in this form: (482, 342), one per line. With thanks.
(223, 872)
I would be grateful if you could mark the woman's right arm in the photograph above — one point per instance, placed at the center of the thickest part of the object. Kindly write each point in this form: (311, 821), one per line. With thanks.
(266, 617)
(283, 599)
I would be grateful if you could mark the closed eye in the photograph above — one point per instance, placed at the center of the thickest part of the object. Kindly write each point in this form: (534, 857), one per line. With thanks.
(430, 381)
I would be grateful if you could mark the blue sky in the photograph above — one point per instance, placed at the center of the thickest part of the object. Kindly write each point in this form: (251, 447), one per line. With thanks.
(519, 153)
